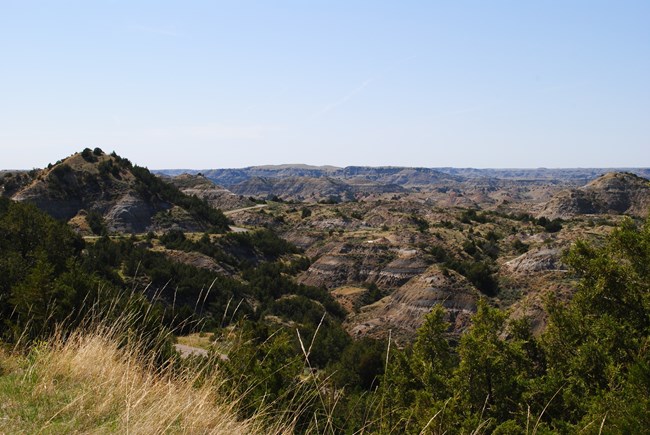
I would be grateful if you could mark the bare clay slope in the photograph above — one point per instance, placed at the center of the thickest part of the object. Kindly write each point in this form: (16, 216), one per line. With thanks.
(390, 261)
(404, 310)
(611, 193)
(217, 196)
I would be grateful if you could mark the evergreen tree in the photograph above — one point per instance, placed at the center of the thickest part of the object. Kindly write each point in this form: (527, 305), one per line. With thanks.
(598, 345)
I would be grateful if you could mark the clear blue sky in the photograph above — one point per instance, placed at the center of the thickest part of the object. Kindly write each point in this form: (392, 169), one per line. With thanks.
(205, 84)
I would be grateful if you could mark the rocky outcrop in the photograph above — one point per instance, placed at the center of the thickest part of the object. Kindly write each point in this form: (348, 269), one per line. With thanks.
(398, 272)
(230, 177)
(295, 188)
(217, 196)
(314, 183)
(612, 193)
(403, 311)
(131, 214)
(348, 263)
(332, 271)
(541, 260)
(58, 208)
(197, 259)
(66, 188)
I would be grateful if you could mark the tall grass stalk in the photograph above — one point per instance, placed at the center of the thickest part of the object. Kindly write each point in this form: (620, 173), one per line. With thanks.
(104, 377)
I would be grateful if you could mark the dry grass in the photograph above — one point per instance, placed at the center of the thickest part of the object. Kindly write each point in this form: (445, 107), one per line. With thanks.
(348, 290)
(198, 339)
(89, 384)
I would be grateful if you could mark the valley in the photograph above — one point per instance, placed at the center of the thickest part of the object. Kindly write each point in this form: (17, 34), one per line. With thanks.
(389, 244)
(354, 261)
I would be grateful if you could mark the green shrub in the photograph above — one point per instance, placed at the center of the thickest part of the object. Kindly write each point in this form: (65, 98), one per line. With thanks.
(88, 156)
(96, 223)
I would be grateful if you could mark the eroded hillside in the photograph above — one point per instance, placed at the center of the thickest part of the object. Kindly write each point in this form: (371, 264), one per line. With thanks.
(128, 198)
(418, 256)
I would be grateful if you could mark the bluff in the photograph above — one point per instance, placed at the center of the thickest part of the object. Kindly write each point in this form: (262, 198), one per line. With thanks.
(316, 183)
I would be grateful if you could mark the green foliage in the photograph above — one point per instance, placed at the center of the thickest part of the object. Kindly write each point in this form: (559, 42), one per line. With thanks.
(88, 155)
(551, 226)
(11, 182)
(599, 342)
(361, 365)
(175, 239)
(432, 360)
(481, 269)
(264, 366)
(492, 374)
(58, 175)
(152, 188)
(331, 200)
(479, 273)
(96, 223)
(421, 224)
(438, 253)
(445, 224)
(520, 247)
(521, 217)
(470, 215)
(107, 167)
(44, 284)
(265, 242)
(373, 294)
(331, 338)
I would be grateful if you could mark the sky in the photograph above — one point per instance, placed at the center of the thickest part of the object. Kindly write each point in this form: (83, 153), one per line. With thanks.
(431, 83)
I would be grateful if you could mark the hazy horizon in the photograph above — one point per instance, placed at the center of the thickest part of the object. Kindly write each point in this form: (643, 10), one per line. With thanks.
(202, 84)
(207, 168)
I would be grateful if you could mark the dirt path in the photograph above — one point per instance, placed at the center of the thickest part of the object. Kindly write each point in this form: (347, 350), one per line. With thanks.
(186, 351)
(237, 210)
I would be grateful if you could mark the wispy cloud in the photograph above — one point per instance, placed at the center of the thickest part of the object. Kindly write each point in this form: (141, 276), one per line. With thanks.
(347, 97)
(153, 30)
